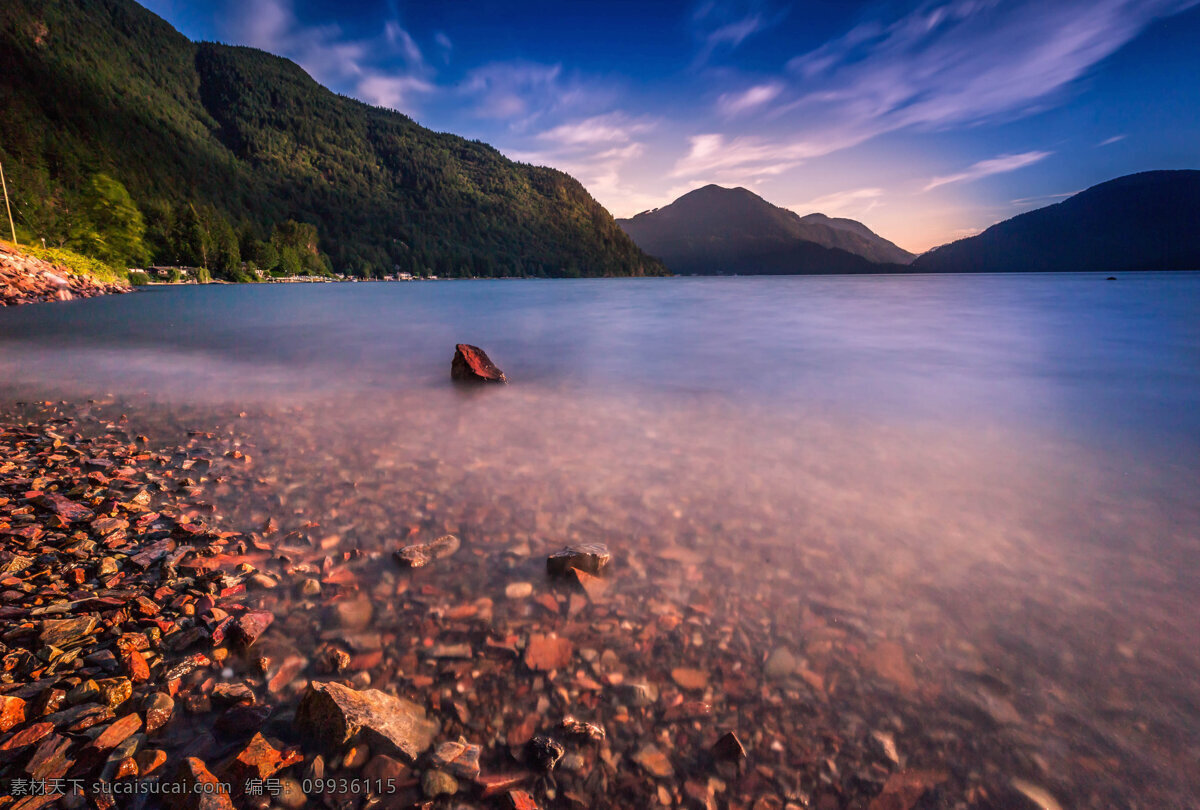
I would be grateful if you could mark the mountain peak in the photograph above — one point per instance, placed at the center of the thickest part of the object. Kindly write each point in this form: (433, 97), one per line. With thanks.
(713, 220)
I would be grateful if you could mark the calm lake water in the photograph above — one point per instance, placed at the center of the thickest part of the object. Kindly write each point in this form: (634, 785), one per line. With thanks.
(998, 474)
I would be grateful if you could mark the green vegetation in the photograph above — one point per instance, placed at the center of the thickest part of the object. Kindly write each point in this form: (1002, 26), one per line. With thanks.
(74, 262)
(125, 140)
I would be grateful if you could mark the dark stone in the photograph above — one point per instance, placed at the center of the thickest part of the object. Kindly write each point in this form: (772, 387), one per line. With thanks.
(471, 364)
(591, 558)
(545, 752)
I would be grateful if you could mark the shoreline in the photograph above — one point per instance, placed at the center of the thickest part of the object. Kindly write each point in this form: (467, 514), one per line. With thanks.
(26, 279)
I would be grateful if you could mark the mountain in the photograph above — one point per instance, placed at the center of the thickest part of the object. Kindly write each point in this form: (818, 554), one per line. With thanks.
(1146, 221)
(715, 230)
(221, 146)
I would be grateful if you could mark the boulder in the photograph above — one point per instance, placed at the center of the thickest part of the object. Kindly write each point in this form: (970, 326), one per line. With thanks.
(471, 364)
(334, 715)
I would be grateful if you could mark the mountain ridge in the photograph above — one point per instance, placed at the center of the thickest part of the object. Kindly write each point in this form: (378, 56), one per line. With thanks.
(1143, 221)
(714, 229)
(249, 139)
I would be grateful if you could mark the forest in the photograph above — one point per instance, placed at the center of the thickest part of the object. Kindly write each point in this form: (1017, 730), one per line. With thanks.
(125, 141)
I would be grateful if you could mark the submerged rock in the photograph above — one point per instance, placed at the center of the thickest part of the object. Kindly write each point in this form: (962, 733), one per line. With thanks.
(421, 554)
(591, 558)
(471, 364)
(334, 715)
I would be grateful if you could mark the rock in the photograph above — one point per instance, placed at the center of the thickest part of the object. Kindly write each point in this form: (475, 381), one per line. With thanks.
(519, 590)
(654, 762)
(384, 767)
(885, 744)
(471, 364)
(520, 800)
(420, 555)
(158, 708)
(115, 691)
(545, 752)
(888, 660)
(354, 614)
(591, 558)
(548, 652)
(438, 783)
(197, 788)
(333, 715)
(233, 693)
(118, 732)
(66, 508)
(459, 758)
(12, 712)
(258, 760)
(253, 624)
(780, 664)
(579, 728)
(1039, 797)
(728, 748)
(686, 678)
(63, 632)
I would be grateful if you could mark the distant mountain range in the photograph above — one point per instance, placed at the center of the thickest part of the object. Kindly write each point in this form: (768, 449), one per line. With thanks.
(1147, 221)
(715, 230)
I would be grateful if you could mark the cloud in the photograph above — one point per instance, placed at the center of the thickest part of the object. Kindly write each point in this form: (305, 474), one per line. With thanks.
(756, 96)
(957, 62)
(857, 201)
(1112, 140)
(744, 156)
(725, 26)
(395, 92)
(610, 128)
(524, 92)
(985, 168)
(387, 70)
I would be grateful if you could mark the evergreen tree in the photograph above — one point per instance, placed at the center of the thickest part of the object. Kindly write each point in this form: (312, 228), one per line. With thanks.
(111, 227)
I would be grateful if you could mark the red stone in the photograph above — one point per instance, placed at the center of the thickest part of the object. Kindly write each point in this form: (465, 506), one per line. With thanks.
(520, 800)
(12, 712)
(118, 732)
(471, 364)
(546, 652)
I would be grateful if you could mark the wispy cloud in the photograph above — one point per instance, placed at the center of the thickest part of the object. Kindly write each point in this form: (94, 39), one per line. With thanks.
(1042, 199)
(723, 26)
(750, 99)
(1112, 140)
(746, 156)
(985, 168)
(857, 201)
(615, 127)
(388, 70)
(959, 62)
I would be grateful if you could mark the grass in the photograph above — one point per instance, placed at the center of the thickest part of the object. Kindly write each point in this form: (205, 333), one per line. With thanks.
(73, 262)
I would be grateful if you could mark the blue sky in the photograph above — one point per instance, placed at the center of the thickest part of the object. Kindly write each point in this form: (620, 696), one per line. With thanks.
(928, 121)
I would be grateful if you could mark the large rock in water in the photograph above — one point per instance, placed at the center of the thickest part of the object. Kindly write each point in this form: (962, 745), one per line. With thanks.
(471, 364)
(333, 715)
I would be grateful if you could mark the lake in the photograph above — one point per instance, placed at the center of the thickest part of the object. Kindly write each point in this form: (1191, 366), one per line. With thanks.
(954, 515)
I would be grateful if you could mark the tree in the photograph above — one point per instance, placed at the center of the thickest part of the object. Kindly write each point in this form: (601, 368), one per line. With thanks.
(111, 227)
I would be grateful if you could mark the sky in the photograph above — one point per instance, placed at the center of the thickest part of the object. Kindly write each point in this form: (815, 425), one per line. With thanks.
(928, 121)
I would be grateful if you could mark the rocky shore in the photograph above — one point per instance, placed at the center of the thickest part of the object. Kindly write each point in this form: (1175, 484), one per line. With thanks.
(25, 279)
(160, 650)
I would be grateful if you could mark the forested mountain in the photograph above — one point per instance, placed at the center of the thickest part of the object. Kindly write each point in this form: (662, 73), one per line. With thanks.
(221, 155)
(716, 230)
(1146, 221)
